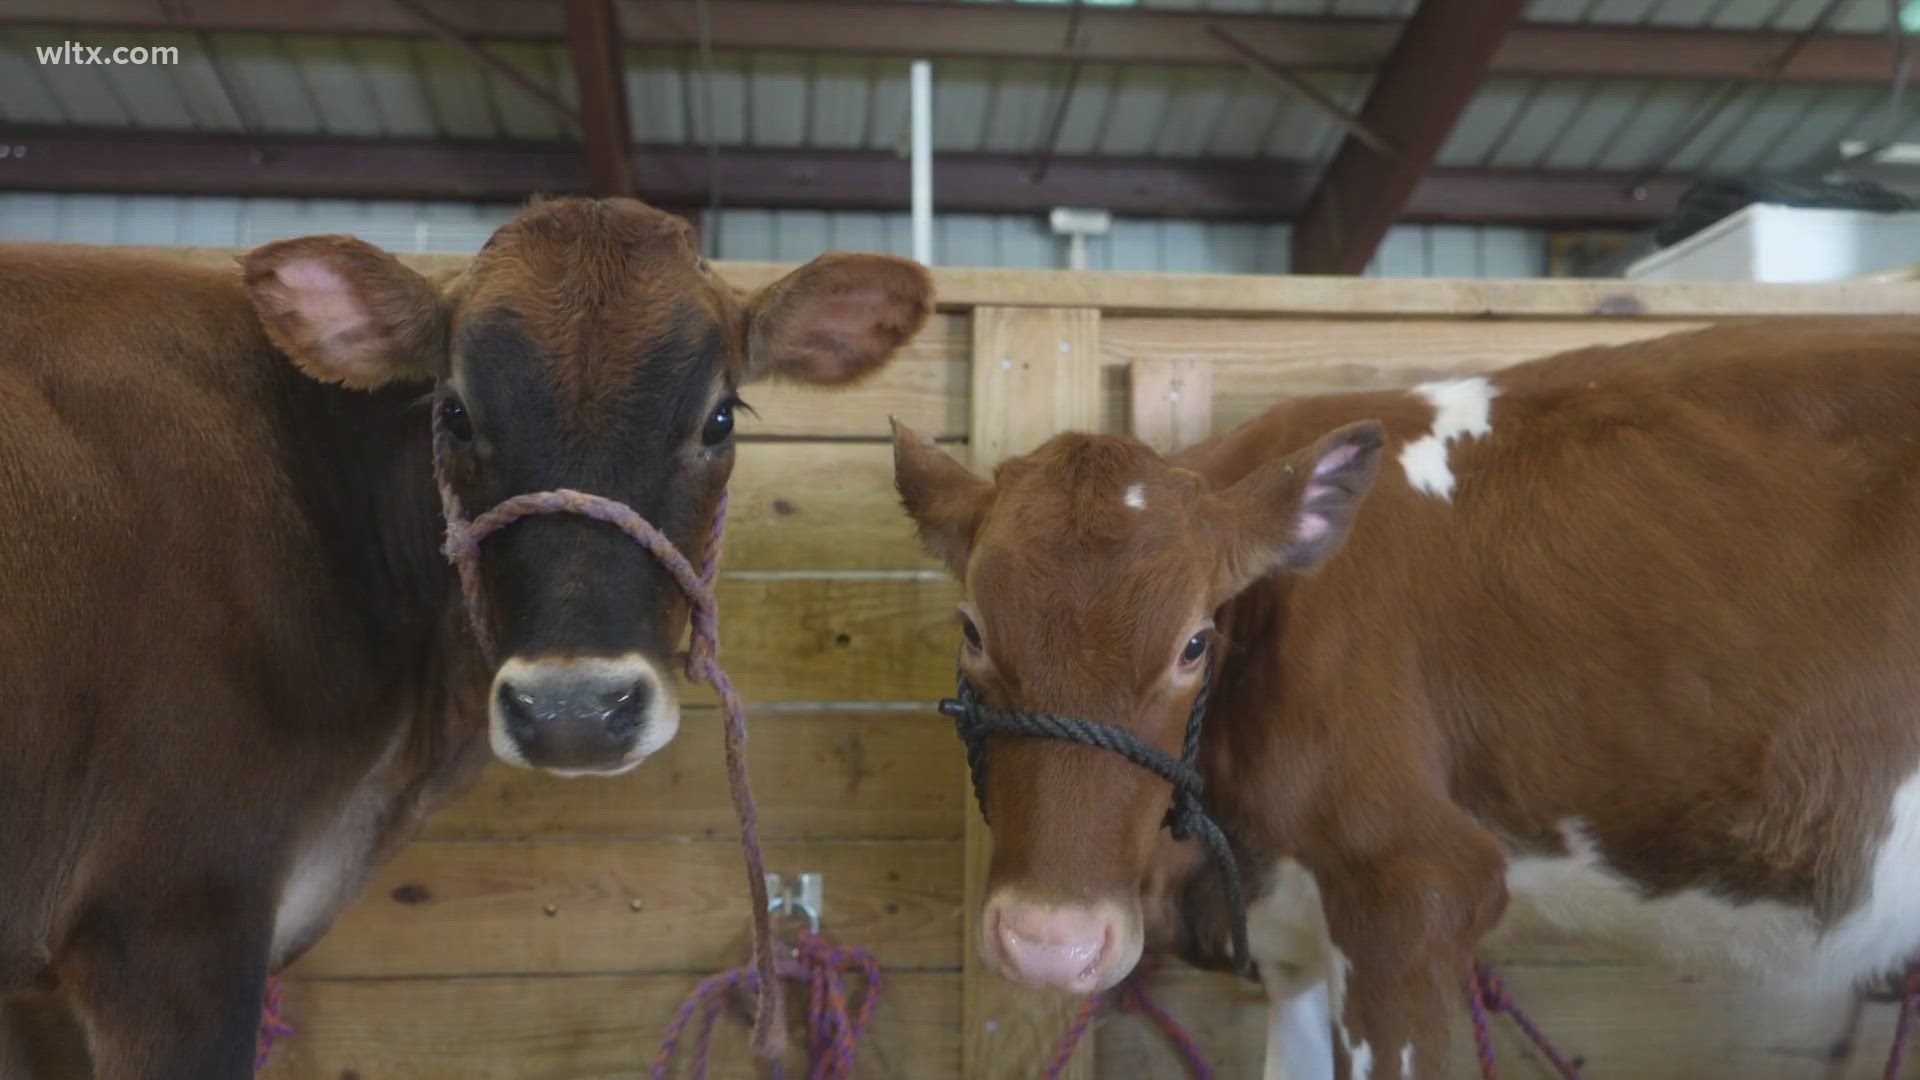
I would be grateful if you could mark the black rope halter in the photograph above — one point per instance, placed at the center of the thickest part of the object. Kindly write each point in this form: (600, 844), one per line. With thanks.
(1186, 818)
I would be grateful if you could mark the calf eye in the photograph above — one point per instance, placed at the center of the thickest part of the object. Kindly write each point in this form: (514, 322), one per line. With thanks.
(971, 631)
(1196, 648)
(455, 421)
(719, 424)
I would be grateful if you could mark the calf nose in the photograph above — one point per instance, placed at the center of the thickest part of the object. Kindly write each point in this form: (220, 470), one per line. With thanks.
(578, 715)
(1064, 947)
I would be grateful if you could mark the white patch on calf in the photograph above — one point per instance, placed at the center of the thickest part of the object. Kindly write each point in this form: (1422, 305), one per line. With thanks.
(1300, 1034)
(1461, 407)
(1136, 496)
(1774, 943)
(330, 865)
(1287, 934)
(1406, 1062)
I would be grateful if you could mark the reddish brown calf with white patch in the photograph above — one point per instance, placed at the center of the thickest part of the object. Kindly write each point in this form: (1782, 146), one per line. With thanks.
(1631, 634)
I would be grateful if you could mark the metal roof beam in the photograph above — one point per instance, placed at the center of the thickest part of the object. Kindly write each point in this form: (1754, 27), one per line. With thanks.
(593, 29)
(942, 28)
(58, 159)
(1420, 92)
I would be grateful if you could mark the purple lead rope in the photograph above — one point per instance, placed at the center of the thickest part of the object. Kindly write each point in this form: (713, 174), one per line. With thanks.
(834, 1023)
(702, 664)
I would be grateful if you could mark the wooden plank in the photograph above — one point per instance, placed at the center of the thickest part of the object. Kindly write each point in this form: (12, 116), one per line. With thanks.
(548, 907)
(1257, 362)
(570, 1028)
(859, 638)
(1171, 402)
(925, 385)
(1622, 1020)
(1308, 296)
(1036, 372)
(817, 775)
(1396, 298)
(818, 506)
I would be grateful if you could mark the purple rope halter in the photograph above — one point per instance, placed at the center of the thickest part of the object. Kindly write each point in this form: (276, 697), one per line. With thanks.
(834, 1024)
(273, 1027)
(702, 664)
(1909, 990)
(1129, 997)
(1486, 993)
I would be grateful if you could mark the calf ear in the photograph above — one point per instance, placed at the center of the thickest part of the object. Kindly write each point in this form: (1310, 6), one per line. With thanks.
(836, 319)
(1292, 513)
(945, 501)
(347, 312)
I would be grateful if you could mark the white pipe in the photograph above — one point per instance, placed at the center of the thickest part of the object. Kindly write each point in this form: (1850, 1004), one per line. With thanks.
(922, 101)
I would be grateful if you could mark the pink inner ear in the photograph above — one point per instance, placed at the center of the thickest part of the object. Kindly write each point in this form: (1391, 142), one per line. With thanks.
(838, 337)
(331, 322)
(1337, 458)
(1311, 527)
(321, 297)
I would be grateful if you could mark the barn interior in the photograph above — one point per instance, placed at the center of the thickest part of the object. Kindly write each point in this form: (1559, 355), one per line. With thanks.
(1189, 208)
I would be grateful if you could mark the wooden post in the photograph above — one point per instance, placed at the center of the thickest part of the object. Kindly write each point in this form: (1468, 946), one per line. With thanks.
(1172, 402)
(1036, 372)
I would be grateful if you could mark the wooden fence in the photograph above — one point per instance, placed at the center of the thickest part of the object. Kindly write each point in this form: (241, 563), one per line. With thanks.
(545, 929)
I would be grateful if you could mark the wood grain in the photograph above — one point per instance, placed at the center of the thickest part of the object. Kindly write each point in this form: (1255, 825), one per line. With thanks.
(817, 775)
(1171, 402)
(570, 1028)
(1306, 295)
(1257, 362)
(1036, 372)
(818, 506)
(836, 639)
(925, 385)
(444, 908)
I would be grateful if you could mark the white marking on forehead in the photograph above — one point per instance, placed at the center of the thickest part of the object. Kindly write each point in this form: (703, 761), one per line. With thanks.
(1136, 496)
(1461, 407)
(1406, 1062)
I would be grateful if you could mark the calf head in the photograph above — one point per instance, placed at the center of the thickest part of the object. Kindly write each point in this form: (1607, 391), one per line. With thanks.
(587, 346)
(1091, 573)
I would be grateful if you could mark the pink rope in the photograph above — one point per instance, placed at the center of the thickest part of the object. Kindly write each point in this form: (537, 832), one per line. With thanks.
(1130, 996)
(1486, 993)
(273, 1026)
(834, 1024)
(702, 664)
(1903, 1028)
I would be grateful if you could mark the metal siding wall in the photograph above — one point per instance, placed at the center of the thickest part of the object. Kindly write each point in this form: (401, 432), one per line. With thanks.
(1142, 244)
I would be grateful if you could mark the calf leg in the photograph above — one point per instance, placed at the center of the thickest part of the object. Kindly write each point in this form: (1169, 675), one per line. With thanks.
(1404, 927)
(171, 992)
(39, 1040)
(1300, 1033)
(1287, 933)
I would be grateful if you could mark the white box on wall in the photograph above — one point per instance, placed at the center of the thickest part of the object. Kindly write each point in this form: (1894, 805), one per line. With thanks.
(1764, 242)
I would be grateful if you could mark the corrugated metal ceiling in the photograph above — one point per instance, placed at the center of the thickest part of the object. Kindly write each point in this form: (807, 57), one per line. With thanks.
(314, 84)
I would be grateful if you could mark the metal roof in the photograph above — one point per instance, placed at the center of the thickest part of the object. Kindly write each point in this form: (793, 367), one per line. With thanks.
(333, 85)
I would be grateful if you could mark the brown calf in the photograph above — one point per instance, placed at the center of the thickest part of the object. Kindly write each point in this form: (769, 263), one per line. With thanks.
(234, 672)
(1631, 634)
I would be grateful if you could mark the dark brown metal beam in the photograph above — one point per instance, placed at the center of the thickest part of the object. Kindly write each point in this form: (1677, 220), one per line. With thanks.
(593, 30)
(937, 30)
(1435, 69)
(47, 159)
